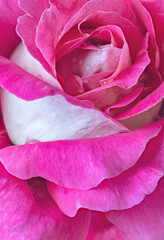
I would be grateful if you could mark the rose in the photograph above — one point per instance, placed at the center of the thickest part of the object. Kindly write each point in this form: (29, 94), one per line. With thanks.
(106, 166)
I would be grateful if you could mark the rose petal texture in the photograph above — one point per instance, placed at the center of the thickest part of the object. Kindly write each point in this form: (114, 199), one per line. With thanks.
(32, 214)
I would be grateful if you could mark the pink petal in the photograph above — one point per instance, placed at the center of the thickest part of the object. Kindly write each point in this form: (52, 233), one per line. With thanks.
(144, 221)
(32, 214)
(9, 12)
(123, 191)
(55, 162)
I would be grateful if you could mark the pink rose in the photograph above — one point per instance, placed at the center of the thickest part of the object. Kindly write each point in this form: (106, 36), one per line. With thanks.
(81, 135)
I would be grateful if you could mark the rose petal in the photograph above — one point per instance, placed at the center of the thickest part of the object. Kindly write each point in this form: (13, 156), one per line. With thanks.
(144, 221)
(78, 164)
(35, 216)
(123, 191)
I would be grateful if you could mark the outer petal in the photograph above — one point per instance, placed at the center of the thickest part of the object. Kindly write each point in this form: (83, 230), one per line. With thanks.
(79, 164)
(123, 191)
(144, 221)
(33, 215)
(9, 12)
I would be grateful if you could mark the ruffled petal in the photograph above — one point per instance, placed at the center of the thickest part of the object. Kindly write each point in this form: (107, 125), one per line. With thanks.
(80, 164)
(123, 191)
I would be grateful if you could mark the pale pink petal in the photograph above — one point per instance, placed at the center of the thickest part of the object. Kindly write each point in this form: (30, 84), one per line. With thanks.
(9, 12)
(45, 119)
(89, 62)
(101, 228)
(30, 213)
(144, 221)
(123, 191)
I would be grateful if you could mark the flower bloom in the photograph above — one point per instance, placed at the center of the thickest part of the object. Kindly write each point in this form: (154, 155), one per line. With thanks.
(81, 139)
